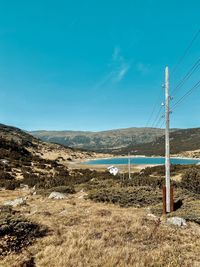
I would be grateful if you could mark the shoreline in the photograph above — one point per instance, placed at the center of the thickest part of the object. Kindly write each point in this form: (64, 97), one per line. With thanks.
(134, 167)
(140, 156)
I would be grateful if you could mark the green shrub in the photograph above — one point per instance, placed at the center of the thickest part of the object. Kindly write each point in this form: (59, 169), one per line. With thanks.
(191, 180)
(6, 176)
(144, 180)
(130, 196)
(63, 189)
(160, 169)
(17, 232)
(9, 184)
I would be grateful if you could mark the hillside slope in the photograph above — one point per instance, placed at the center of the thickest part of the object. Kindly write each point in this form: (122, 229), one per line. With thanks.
(180, 141)
(22, 156)
(100, 141)
(37, 147)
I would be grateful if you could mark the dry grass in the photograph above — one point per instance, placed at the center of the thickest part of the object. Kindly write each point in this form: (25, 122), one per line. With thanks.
(83, 233)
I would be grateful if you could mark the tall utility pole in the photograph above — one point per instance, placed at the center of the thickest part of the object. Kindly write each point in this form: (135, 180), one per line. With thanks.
(129, 166)
(167, 147)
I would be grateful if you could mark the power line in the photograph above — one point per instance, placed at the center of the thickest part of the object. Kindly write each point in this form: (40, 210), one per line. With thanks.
(185, 52)
(187, 76)
(179, 101)
(186, 94)
(159, 121)
(162, 124)
(151, 115)
(155, 122)
(153, 110)
(180, 84)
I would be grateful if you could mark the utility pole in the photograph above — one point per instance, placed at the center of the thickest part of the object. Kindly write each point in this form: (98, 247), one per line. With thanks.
(167, 146)
(129, 166)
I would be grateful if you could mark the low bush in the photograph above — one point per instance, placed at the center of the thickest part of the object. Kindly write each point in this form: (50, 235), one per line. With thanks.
(130, 196)
(6, 176)
(160, 169)
(144, 180)
(17, 232)
(9, 184)
(32, 179)
(63, 189)
(191, 180)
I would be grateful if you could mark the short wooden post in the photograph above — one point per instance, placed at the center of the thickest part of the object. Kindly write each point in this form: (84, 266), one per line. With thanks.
(171, 198)
(164, 199)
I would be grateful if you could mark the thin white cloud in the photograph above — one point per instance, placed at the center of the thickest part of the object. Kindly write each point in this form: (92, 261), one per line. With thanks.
(116, 53)
(122, 72)
(105, 80)
(119, 65)
(118, 69)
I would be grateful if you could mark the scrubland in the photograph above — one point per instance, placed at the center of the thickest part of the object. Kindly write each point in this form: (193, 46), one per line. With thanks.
(103, 221)
(84, 233)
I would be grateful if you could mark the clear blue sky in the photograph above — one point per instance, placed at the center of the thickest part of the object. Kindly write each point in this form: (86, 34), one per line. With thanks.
(94, 65)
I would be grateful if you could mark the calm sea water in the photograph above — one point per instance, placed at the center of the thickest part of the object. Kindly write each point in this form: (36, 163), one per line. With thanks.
(142, 160)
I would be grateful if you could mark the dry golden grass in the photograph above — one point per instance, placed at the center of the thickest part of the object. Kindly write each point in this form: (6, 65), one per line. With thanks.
(87, 234)
(177, 177)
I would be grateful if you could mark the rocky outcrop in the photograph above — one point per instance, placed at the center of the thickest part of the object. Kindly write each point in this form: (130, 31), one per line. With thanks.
(16, 202)
(56, 195)
(177, 221)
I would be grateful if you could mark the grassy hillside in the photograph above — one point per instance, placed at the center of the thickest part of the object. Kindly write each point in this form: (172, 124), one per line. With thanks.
(25, 159)
(180, 141)
(100, 141)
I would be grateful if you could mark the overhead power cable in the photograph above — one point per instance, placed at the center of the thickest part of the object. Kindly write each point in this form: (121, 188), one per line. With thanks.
(159, 121)
(180, 84)
(185, 52)
(186, 95)
(157, 117)
(153, 110)
(161, 125)
(187, 76)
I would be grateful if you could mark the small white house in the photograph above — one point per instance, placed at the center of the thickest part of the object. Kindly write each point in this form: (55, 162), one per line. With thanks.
(113, 170)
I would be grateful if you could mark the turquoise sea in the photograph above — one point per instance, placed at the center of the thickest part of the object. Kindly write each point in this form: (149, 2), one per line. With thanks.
(142, 160)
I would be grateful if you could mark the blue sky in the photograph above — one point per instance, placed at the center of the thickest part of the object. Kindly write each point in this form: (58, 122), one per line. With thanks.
(95, 65)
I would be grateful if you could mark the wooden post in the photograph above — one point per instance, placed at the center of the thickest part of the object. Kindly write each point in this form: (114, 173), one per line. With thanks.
(164, 199)
(171, 198)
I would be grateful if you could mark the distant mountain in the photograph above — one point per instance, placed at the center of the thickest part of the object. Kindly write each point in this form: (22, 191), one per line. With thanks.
(101, 141)
(138, 141)
(180, 141)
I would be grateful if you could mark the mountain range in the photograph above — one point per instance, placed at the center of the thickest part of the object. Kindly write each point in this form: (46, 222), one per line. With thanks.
(71, 144)
(185, 142)
(138, 141)
(101, 141)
